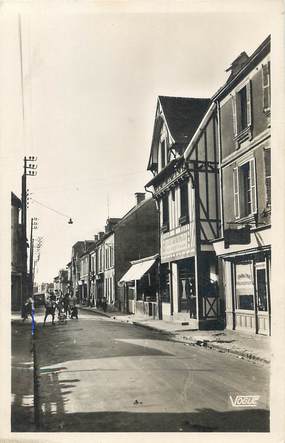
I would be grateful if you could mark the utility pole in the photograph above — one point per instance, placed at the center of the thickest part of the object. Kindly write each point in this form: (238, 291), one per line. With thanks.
(29, 170)
(37, 244)
(34, 225)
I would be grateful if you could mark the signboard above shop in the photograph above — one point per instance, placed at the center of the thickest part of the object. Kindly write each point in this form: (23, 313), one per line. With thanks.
(179, 245)
(237, 236)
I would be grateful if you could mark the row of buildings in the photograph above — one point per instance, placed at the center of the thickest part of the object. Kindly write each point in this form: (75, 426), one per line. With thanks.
(199, 248)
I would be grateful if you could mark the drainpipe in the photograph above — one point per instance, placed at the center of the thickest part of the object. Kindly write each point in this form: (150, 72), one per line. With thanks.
(195, 184)
(159, 301)
(220, 168)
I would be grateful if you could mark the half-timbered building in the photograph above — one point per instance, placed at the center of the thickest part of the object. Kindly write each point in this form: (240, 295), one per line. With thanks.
(185, 185)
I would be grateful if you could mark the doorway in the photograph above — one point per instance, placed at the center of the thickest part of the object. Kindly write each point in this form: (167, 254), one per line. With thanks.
(262, 302)
(187, 293)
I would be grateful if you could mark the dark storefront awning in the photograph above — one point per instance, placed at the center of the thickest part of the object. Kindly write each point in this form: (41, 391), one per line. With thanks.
(138, 269)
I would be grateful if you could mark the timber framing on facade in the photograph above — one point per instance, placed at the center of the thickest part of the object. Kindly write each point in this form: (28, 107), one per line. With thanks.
(185, 186)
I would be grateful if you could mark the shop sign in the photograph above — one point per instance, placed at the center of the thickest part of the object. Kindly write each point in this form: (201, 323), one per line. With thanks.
(244, 279)
(237, 236)
(178, 246)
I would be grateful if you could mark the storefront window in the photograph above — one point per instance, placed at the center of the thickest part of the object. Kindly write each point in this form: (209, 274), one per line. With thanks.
(261, 289)
(164, 283)
(244, 286)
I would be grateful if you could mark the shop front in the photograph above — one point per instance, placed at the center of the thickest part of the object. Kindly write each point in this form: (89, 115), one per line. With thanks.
(247, 278)
(139, 286)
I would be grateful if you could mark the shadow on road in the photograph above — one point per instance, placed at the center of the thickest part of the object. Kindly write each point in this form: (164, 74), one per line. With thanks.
(80, 340)
(22, 373)
(54, 348)
(202, 420)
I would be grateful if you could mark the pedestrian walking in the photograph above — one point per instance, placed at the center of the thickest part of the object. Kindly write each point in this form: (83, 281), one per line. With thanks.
(104, 304)
(66, 304)
(27, 308)
(73, 307)
(50, 305)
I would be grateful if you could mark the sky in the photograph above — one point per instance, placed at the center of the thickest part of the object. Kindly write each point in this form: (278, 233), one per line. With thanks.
(91, 82)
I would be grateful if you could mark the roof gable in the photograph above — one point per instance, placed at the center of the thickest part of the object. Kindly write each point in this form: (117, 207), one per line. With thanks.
(181, 116)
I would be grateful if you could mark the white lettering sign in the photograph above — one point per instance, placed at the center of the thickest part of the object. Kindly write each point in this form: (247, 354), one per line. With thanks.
(244, 401)
(179, 245)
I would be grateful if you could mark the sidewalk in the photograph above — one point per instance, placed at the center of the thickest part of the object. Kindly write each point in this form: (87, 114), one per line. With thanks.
(22, 388)
(253, 347)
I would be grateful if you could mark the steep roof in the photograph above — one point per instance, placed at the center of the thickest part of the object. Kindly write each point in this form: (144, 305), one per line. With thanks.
(15, 201)
(183, 115)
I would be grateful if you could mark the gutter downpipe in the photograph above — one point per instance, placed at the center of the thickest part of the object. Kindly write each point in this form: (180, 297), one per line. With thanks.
(159, 301)
(195, 186)
(220, 168)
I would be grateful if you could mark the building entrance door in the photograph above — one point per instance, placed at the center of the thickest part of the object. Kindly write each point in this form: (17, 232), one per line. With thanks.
(261, 294)
(187, 298)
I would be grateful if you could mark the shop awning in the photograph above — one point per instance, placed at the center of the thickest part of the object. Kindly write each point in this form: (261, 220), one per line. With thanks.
(138, 269)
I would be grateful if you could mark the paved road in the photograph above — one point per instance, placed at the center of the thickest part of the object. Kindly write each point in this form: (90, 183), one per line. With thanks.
(97, 375)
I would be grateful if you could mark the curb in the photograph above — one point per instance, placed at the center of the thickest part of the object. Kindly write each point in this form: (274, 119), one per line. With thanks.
(207, 344)
(95, 311)
(152, 328)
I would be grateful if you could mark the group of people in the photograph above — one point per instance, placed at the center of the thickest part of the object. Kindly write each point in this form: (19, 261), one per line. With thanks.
(64, 304)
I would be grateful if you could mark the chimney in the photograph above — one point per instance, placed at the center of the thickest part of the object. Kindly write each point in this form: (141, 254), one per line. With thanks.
(101, 235)
(140, 196)
(237, 65)
(96, 237)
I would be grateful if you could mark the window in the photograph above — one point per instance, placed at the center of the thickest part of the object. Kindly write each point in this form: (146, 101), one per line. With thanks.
(184, 205)
(244, 185)
(111, 288)
(244, 286)
(112, 255)
(267, 172)
(164, 283)
(266, 86)
(241, 103)
(165, 214)
(261, 286)
(163, 156)
(101, 260)
(243, 108)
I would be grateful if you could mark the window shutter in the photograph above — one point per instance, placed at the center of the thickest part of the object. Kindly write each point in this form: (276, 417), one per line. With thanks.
(248, 99)
(266, 85)
(267, 170)
(236, 192)
(234, 107)
(253, 186)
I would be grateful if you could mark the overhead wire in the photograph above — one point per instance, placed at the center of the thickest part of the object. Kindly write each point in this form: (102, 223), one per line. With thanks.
(51, 209)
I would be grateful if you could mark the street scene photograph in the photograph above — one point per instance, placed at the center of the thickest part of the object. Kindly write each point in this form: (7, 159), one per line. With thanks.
(138, 153)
